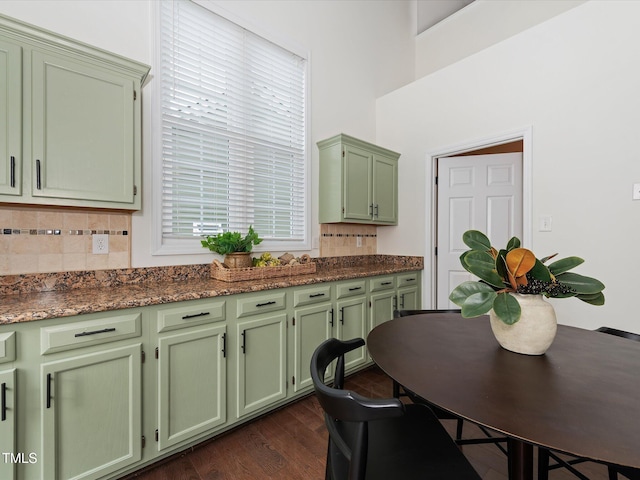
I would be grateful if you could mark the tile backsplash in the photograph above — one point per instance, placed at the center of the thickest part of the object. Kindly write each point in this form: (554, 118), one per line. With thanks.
(339, 239)
(41, 240)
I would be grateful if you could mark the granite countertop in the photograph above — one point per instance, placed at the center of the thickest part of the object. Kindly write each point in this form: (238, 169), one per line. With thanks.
(25, 298)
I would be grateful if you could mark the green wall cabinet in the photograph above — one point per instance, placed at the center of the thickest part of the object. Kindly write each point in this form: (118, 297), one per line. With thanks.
(358, 182)
(72, 129)
(11, 119)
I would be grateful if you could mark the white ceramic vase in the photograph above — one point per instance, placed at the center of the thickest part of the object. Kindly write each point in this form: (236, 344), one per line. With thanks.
(533, 334)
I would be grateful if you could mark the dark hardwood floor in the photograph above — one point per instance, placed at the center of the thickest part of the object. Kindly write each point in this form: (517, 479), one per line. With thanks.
(290, 444)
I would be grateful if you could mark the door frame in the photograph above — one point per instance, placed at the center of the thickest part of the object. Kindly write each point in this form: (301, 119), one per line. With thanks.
(429, 280)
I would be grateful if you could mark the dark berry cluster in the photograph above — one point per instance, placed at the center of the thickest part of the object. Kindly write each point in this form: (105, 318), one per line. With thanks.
(551, 289)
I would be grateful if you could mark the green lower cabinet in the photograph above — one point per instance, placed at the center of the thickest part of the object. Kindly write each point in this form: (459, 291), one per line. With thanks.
(91, 413)
(408, 298)
(311, 326)
(191, 383)
(261, 346)
(352, 323)
(8, 425)
(382, 307)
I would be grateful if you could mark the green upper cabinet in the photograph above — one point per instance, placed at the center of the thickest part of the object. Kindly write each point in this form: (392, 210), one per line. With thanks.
(358, 182)
(11, 118)
(79, 140)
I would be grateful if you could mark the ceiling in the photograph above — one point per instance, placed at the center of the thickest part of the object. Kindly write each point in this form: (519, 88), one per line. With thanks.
(431, 12)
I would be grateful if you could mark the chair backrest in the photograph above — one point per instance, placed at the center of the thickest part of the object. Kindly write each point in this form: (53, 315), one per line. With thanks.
(407, 313)
(346, 412)
(619, 333)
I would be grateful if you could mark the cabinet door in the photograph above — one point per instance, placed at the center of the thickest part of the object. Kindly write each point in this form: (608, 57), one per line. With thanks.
(10, 118)
(91, 413)
(352, 323)
(191, 384)
(385, 189)
(83, 131)
(358, 203)
(261, 360)
(408, 298)
(382, 306)
(8, 424)
(312, 326)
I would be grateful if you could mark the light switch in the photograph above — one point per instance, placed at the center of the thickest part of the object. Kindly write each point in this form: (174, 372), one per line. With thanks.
(545, 223)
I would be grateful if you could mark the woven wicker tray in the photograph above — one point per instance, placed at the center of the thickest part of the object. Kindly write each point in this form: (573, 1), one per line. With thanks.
(221, 272)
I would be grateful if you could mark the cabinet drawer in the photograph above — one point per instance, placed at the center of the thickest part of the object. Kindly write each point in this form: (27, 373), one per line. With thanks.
(7, 347)
(381, 283)
(190, 315)
(350, 289)
(255, 304)
(311, 295)
(92, 332)
(407, 279)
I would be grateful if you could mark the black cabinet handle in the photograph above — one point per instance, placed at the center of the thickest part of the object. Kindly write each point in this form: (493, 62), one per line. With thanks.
(3, 402)
(342, 315)
(244, 342)
(353, 289)
(272, 302)
(38, 176)
(13, 171)
(95, 332)
(49, 378)
(224, 345)
(316, 295)
(203, 314)
(331, 321)
(386, 283)
(402, 301)
(375, 213)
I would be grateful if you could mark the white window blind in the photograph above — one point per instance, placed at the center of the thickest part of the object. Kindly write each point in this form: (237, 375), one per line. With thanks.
(233, 129)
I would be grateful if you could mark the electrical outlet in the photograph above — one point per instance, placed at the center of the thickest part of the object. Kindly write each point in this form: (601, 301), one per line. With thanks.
(545, 223)
(636, 191)
(100, 244)
(358, 241)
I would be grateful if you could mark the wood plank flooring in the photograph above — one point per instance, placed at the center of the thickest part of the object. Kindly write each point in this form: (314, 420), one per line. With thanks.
(290, 444)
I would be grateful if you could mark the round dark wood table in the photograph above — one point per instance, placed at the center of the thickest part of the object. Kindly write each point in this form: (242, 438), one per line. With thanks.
(582, 397)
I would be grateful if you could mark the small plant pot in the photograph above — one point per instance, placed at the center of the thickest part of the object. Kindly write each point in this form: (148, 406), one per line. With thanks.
(238, 260)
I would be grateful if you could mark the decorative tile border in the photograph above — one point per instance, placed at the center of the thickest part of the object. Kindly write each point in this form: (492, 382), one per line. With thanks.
(354, 235)
(57, 231)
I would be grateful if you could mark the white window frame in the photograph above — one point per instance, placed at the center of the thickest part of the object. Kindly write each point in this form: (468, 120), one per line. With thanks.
(164, 246)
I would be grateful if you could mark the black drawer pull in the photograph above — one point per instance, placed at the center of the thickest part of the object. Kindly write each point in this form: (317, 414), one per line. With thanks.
(224, 345)
(95, 332)
(3, 402)
(203, 314)
(316, 295)
(272, 302)
(49, 378)
(244, 341)
(353, 289)
(409, 279)
(386, 283)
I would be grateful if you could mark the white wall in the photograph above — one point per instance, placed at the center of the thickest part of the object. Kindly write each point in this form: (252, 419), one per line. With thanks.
(359, 51)
(575, 80)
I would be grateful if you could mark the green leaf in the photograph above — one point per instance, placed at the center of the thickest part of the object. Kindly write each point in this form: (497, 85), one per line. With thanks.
(593, 299)
(540, 272)
(514, 242)
(478, 304)
(507, 308)
(580, 283)
(482, 265)
(564, 265)
(476, 240)
(466, 289)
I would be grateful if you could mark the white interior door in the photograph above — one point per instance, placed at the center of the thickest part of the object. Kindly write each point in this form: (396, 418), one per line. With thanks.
(479, 192)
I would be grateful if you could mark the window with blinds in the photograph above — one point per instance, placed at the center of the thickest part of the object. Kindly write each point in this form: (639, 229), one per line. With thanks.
(233, 128)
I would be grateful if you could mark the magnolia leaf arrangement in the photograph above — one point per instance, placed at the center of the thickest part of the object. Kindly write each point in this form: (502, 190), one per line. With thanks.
(231, 242)
(516, 270)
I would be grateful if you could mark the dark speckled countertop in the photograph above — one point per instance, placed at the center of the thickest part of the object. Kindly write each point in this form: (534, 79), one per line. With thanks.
(25, 298)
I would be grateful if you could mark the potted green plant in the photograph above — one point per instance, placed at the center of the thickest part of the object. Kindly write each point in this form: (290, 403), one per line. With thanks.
(234, 246)
(512, 283)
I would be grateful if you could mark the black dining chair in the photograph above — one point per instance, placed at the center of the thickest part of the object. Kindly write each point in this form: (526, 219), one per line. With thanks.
(380, 438)
(400, 391)
(544, 455)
